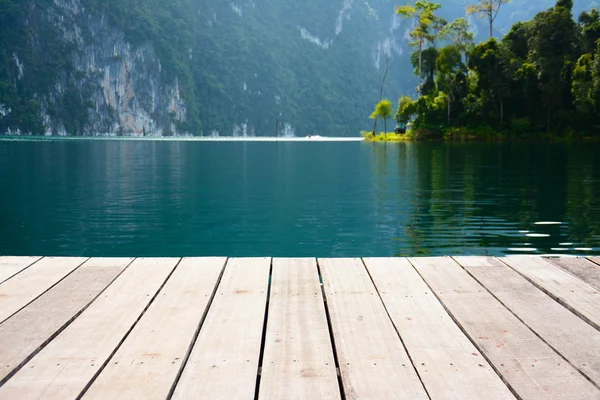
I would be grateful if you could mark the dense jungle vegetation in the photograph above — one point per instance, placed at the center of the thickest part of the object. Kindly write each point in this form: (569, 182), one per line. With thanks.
(541, 79)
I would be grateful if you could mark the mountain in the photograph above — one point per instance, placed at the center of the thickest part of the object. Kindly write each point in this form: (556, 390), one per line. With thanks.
(200, 67)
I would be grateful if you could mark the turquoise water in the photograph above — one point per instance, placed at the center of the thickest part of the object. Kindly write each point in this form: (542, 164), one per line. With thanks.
(183, 198)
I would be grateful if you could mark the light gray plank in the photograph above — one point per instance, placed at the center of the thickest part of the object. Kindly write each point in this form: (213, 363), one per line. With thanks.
(526, 363)
(298, 358)
(442, 354)
(31, 328)
(570, 336)
(373, 362)
(572, 292)
(10, 266)
(224, 360)
(17, 292)
(147, 363)
(67, 364)
(595, 260)
(582, 268)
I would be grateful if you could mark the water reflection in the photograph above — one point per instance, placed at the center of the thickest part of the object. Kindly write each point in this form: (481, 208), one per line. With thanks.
(103, 198)
(480, 198)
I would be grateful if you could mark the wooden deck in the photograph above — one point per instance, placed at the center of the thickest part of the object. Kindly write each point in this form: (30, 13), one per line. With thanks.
(459, 328)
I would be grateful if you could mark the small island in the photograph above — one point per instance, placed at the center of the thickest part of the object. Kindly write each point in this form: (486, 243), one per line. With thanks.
(541, 81)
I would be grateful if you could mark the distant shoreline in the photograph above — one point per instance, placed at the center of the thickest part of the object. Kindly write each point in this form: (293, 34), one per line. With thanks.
(180, 139)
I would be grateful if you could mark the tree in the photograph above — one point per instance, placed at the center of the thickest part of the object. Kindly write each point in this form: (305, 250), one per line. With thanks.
(490, 61)
(387, 64)
(428, 68)
(583, 88)
(487, 9)
(422, 14)
(458, 33)
(451, 74)
(406, 109)
(517, 39)
(589, 23)
(596, 80)
(553, 52)
(384, 110)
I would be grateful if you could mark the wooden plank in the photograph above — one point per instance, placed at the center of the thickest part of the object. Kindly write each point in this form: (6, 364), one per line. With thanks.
(570, 336)
(17, 292)
(571, 292)
(10, 266)
(595, 260)
(224, 361)
(529, 366)
(67, 364)
(147, 363)
(582, 268)
(442, 354)
(27, 331)
(298, 361)
(372, 360)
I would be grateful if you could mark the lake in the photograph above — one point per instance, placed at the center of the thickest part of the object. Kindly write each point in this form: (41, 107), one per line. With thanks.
(318, 199)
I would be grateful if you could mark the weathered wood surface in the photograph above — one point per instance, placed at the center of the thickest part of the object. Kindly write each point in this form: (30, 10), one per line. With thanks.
(528, 365)
(17, 292)
(442, 354)
(582, 268)
(224, 361)
(373, 362)
(63, 369)
(147, 363)
(573, 293)
(568, 334)
(298, 358)
(595, 260)
(10, 266)
(30, 329)
(418, 328)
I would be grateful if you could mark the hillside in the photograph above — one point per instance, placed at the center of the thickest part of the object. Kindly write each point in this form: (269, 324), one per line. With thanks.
(199, 67)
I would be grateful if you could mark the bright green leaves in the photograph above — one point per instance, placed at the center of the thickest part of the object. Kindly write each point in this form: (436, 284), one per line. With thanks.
(407, 109)
(383, 110)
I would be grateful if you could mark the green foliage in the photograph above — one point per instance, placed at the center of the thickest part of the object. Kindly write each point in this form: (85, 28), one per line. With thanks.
(20, 89)
(428, 26)
(541, 80)
(452, 76)
(387, 137)
(383, 109)
(458, 33)
(407, 109)
(589, 23)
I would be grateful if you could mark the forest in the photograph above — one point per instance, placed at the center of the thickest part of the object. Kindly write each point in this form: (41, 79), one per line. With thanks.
(541, 79)
(256, 67)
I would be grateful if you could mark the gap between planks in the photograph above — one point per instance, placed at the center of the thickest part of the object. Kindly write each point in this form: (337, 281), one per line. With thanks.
(570, 337)
(527, 365)
(29, 330)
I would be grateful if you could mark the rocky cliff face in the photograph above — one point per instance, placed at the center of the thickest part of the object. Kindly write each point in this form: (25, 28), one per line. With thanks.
(121, 84)
(128, 93)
